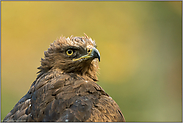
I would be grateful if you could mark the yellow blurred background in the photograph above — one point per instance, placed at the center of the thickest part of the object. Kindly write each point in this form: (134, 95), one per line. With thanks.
(139, 42)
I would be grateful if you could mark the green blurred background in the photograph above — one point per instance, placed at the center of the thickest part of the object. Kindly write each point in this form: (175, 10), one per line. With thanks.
(139, 42)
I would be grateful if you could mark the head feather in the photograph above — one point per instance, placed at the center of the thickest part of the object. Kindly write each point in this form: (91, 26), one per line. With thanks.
(53, 58)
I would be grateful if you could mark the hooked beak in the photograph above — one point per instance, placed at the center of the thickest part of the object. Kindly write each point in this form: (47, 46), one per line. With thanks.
(92, 54)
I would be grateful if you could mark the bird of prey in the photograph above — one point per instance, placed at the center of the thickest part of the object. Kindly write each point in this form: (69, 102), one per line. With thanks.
(65, 89)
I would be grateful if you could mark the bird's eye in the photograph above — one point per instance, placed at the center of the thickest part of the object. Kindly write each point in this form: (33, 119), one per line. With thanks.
(89, 50)
(69, 52)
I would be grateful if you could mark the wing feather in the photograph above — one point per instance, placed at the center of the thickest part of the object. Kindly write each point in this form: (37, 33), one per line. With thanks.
(65, 97)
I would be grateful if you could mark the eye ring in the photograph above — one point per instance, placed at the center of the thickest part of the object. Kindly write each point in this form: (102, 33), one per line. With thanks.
(69, 52)
(89, 50)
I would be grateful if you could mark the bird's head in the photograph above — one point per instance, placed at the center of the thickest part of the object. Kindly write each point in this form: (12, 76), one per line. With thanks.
(72, 55)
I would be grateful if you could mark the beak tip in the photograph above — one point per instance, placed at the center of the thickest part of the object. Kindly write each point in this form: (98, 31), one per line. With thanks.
(99, 59)
(96, 54)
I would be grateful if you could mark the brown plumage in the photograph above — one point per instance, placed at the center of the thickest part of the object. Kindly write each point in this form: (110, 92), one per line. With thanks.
(66, 88)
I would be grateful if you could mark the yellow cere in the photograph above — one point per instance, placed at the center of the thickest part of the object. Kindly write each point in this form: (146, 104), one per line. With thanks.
(85, 56)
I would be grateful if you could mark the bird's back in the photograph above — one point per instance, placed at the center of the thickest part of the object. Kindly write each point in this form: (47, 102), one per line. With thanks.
(56, 96)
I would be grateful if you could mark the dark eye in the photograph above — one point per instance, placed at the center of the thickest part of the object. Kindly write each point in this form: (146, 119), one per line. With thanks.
(89, 50)
(69, 52)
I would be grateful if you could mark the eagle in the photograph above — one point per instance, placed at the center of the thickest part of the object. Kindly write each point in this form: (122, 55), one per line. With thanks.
(65, 89)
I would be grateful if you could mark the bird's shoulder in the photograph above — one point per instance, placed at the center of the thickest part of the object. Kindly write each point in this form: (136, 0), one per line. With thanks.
(64, 97)
(57, 96)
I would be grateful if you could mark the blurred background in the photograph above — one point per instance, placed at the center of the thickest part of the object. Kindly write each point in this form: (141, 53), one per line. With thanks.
(139, 42)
